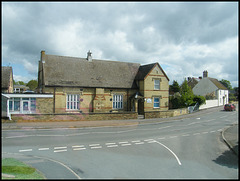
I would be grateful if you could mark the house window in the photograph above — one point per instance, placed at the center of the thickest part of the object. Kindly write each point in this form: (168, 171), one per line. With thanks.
(33, 104)
(156, 102)
(73, 101)
(117, 101)
(156, 84)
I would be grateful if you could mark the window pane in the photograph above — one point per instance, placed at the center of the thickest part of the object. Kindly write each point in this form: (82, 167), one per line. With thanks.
(16, 105)
(25, 106)
(33, 104)
(10, 105)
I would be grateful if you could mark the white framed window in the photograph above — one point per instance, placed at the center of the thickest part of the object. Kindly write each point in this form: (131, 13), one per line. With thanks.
(117, 101)
(22, 105)
(73, 102)
(156, 84)
(156, 102)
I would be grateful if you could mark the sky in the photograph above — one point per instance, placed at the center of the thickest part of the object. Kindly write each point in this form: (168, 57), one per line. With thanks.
(185, 38)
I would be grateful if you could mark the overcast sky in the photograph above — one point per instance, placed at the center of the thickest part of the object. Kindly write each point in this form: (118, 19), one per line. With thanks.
(184, 38)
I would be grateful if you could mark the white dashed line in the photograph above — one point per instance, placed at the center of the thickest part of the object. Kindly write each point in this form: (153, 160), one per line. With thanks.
(127, 144)
(139, 143)
(212, 131)
(63, 147)
(123, 142)
(186, 135)
(59, 151)
(135, 141)
(110, 143)
(75, 149)
(196, 133)
(96, 147)
(42, 149)
(161, 138)
(77, 146)
(204, 132)
(112, 146)
(25, 150)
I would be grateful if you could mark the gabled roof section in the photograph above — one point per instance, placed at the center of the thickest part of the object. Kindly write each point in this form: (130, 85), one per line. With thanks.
(79, 72)
(217, 83)
(6, 75)
(144, 70)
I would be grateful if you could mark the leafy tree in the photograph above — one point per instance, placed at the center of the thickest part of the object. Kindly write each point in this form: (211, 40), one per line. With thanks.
(199, 99)
(226, 83)
(32, 84)
(20, 83)
(186, 95)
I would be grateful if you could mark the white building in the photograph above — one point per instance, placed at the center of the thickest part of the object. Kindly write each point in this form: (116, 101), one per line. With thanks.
(213, 88)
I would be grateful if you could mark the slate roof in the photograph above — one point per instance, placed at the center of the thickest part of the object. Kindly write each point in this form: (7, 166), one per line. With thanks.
(79, 72)
(6, 74)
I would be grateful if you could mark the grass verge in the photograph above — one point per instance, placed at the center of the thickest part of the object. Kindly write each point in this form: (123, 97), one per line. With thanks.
(15, 169)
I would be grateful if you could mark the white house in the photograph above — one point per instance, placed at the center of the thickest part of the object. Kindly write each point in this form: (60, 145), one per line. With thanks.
(213, 88)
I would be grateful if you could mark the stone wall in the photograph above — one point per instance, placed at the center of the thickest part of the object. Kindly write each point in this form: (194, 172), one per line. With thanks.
(73, 117)
(165, 114)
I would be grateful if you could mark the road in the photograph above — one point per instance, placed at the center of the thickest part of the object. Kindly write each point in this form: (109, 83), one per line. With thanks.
(181, 148)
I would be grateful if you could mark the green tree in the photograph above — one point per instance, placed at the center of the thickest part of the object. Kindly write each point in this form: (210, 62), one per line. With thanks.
(32, 84)
(186, 95)
(226, 83)
(199, 99)
(175, 87)
(20, 83)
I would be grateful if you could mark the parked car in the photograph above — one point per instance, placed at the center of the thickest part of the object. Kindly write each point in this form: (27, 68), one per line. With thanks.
(229, 107)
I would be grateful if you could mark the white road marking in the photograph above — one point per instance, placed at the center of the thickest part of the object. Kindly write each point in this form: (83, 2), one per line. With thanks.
(161, 138)
(220, 130)
(136, 141)
(112, 146)
(204, 132)
(127, 144)
(63, 147)
(186, 135)
(59, 151)
(149, 140)
(96, 147)
(196, 133)
(25, 150)
(212, 131)
(75, 149)
(110, 143)
(42, 149)
(170, 151)
(123, 142)
(139, 143)
(77, 146)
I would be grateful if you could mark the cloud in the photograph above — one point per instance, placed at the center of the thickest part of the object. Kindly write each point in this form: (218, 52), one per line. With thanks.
(187, 38)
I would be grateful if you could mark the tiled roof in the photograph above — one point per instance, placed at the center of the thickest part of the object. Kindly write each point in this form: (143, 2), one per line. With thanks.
(71, 71)
(217, 83)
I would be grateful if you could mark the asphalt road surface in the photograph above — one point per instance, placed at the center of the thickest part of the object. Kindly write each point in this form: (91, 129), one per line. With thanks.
(190, 148)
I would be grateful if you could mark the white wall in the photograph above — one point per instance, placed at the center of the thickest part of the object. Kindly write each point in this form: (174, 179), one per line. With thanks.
(209, 103)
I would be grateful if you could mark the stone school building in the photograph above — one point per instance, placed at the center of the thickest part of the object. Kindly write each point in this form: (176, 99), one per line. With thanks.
(87, 85)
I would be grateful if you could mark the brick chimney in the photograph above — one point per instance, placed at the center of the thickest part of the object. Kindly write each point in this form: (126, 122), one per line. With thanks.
(205, 73)
(89, 56)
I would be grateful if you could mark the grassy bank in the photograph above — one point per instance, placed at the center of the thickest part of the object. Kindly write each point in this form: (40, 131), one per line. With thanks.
(14, 169)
